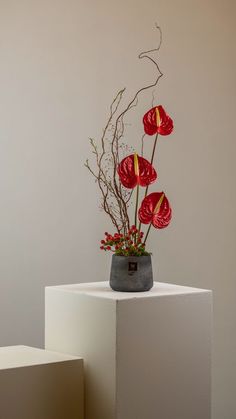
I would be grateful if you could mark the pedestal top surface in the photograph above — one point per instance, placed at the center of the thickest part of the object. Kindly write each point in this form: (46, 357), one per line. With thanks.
(25, 356)
(103, 290)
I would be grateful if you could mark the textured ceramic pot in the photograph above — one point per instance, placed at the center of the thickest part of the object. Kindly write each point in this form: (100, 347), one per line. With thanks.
(131, 273)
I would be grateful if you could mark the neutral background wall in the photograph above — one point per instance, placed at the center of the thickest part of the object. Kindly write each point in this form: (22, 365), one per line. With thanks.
(62, 61)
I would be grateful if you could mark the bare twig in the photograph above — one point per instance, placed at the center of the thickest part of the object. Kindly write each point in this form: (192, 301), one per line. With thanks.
(115, 198)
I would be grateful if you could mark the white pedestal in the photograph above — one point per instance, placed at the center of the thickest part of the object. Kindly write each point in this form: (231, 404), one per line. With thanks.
(38, 384)
(147, 355)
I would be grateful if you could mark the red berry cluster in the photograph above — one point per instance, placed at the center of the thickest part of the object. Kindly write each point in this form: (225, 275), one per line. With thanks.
(129, 244)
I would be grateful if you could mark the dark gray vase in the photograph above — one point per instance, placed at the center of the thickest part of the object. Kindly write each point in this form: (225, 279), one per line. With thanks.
(131, 273)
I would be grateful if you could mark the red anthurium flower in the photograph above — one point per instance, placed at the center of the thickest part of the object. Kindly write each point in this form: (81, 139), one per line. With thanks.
(156, 121)
(135, 170)
(155, 209)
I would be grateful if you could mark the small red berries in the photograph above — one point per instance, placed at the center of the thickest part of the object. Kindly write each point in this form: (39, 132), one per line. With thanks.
(129, 244)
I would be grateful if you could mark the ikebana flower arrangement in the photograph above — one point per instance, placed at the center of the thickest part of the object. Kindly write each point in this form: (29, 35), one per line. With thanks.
(124, 177)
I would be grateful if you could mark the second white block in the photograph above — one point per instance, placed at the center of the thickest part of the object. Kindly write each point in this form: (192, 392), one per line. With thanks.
(147, 355)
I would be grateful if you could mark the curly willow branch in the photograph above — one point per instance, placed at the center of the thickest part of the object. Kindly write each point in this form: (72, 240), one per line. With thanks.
(115, 198)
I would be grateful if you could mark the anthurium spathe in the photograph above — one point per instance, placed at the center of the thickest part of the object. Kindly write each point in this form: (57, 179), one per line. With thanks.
(156, 121)
(134, 170)
(155, 209)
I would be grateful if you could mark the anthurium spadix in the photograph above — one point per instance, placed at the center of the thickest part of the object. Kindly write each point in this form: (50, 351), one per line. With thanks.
(155, 209)
(134, 170)
(156, 121)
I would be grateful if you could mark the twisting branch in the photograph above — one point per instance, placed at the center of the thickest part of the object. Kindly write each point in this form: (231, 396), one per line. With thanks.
(115, 198)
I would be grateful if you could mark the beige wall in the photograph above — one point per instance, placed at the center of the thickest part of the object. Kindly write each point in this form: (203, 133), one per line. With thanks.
(61, 64)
